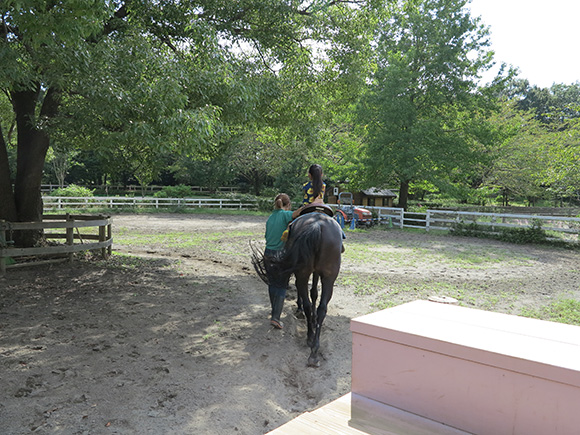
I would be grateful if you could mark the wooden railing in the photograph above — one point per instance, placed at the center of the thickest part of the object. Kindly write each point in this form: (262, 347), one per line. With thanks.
(448, 219)
(60, 202)
(100, 238)
(134, 188)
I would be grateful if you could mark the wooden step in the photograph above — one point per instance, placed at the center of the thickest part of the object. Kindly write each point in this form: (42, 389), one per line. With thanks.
(354, 414)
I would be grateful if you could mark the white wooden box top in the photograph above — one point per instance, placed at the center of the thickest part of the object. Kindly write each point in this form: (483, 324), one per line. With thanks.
(534, 347)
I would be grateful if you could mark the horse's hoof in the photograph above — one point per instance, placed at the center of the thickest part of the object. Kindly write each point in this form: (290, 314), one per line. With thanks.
(300, 314)
(313, 362)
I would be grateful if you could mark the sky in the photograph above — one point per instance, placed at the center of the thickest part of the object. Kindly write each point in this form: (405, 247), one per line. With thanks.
(539, 37)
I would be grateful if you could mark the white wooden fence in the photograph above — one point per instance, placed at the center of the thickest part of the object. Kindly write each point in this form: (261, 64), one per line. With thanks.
(133, 188)
(444, 219)
(447, 219)
(392, 216)
(62, 202)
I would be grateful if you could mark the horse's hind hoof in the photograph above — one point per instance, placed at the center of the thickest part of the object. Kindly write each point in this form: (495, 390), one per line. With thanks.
(313, 362)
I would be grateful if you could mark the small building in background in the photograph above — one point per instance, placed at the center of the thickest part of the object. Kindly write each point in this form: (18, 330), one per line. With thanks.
(372, 197)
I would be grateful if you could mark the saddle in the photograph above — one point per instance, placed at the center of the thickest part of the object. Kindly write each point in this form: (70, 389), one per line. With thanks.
(320, 208)
(310, 208)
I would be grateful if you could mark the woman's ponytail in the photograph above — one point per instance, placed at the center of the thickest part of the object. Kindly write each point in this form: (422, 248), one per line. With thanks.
(281, 201)
(316, 172)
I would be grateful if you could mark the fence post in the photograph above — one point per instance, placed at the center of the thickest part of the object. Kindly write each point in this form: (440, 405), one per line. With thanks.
(70, 236)
(427, 220)
(402, 217)
(109, 236)
(3, 245)
(102, 238)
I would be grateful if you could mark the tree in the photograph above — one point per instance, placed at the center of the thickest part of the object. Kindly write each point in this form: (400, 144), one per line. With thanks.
(516, 165)
(560, 156)
(541, 155)
(551, 105)
(146, 78)
(61, 161)
(422, 110)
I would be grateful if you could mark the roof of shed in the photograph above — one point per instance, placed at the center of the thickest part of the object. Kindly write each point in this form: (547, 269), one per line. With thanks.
(373, 191)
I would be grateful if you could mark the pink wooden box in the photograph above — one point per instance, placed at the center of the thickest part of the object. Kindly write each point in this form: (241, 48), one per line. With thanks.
(478, 371)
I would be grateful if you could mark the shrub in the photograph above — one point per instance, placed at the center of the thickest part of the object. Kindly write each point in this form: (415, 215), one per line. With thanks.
(74, 191)
(534, 234)
(180, 191)
(262, 204)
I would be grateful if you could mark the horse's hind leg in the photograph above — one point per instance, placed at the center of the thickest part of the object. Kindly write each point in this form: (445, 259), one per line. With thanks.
(314, 288)
(302, 287)
(327, 289)
(299, 308)
(299, 305)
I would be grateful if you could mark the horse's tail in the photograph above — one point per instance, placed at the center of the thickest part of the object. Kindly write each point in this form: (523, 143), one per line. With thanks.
(260, 263)
(269, 267)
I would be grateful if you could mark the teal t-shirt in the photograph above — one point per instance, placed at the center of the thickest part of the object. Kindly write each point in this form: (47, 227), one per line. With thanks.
(275, 226)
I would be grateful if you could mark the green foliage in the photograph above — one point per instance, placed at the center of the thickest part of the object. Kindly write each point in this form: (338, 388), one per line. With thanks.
(422, 113)
(73, 190)
(291, 177)
(211, 173)
(139, 83)
(533, 235)
(180, 191)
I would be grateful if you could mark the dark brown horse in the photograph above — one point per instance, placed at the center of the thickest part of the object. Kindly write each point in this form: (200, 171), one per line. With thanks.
(313, 248)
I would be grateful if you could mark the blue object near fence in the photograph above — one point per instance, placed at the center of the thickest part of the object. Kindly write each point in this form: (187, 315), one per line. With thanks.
(340, 219)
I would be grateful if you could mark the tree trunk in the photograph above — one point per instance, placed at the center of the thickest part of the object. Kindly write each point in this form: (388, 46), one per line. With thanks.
(33, 144)
(403, 194)
(8, 208)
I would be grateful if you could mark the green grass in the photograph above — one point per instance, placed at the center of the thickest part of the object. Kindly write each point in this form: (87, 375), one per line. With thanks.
(562, 311)
(178, 239)
(465, 257)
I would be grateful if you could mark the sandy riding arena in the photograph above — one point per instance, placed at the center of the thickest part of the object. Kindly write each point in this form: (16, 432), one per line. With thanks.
(171, 335)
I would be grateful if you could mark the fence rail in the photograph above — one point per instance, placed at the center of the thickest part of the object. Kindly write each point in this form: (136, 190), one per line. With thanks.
(442, 219)
(98, 238)
(447, 219)
(134, 188)
(61, 202)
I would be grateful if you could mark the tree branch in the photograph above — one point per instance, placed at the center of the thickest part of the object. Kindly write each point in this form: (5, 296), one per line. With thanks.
(113, 23)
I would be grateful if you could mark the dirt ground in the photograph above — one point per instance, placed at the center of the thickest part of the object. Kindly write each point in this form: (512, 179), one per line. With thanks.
(174, 338)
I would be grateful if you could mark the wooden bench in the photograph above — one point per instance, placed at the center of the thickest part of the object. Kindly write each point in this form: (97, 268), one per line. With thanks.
(430, 368)
(478, 371)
